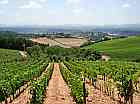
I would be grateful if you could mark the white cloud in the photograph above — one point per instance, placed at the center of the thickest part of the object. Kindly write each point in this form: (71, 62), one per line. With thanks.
(78, 11)
(135, 2)
(31, 4)
(42, 0)
(126, 5)
(73, 1)
(1, 12)
(74, 6)
(4, 2)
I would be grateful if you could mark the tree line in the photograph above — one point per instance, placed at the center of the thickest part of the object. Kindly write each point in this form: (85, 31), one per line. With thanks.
(57, 53)
(9, 40)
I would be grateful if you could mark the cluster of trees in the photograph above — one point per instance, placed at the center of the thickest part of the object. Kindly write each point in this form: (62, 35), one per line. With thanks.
(9, 40)
(56, 53)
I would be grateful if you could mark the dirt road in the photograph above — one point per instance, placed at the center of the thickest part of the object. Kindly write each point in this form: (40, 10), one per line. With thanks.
(57, 91)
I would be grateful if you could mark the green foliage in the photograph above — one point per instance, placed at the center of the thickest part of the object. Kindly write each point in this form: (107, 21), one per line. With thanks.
(10, 41)
(39, 86)
(34, 51)
(124, 49)
(87, 44)
(123, 73)
(57, 54)
(75, 84)
(7, 55)
(15, 73)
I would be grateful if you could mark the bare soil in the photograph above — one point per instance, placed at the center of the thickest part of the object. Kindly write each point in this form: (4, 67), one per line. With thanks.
(97, 96)
(62, 42)
(57, 91)
(72, 42)
(47, 41)
(24, 97)
(137, 99)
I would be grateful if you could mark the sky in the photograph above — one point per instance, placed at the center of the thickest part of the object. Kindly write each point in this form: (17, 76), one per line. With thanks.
(65, 12)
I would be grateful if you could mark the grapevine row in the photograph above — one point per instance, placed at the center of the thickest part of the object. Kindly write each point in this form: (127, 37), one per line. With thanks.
(122, 75)
(39, 86)
(75, 84)
(17, 74)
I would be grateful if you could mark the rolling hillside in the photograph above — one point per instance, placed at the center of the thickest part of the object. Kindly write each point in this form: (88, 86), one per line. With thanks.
(124, 49)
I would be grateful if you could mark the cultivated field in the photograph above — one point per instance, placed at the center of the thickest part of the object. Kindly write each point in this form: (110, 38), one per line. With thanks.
(62, 42)
(72, 42)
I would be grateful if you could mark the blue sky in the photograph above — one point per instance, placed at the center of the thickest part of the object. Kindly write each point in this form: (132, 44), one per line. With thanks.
(59, 12)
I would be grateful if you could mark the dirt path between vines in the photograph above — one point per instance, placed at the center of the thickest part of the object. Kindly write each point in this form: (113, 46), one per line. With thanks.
(57, 91)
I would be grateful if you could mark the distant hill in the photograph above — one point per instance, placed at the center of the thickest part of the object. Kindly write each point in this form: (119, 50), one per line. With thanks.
(122, 49)
(127, 29)
(36, 29)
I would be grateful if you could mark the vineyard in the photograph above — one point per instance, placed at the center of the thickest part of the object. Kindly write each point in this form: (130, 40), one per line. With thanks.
(52, 75)
(119, 80)
(8, 55)
(15, 73)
